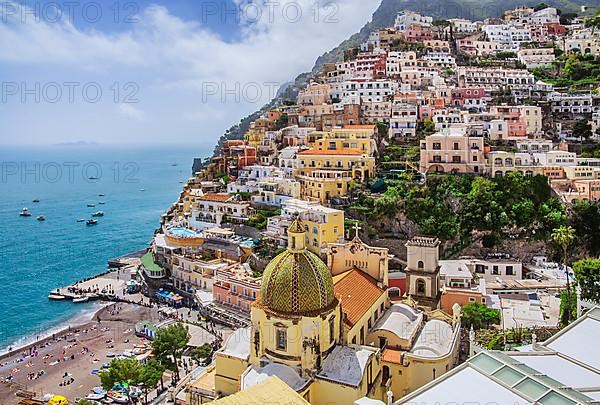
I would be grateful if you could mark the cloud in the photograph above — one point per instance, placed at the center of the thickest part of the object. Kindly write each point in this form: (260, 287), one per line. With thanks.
(130, 111)
(188, 78)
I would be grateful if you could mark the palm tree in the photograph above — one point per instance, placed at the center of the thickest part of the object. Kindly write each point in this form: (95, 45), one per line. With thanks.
(563, 236)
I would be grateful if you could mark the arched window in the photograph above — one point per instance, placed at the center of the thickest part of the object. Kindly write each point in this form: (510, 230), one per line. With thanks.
(420, 286)
(386, 373)
(420, 265)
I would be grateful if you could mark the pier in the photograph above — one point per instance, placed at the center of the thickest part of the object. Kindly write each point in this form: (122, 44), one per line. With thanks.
(111, 285)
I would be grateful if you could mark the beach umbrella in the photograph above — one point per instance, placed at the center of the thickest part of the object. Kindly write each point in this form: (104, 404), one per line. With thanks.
(58, 400)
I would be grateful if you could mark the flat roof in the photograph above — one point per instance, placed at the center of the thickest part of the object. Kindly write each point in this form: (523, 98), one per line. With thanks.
(346, 364)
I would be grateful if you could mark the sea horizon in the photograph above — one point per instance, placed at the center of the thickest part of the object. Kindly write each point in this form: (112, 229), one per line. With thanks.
(39, 256)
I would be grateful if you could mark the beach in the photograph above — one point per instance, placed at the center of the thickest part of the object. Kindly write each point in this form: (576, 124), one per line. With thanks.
(63, 363)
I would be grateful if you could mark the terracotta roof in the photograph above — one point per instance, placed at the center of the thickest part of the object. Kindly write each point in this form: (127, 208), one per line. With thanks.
(358, 292)
(392, 356)
(351, 152)
(216, 197)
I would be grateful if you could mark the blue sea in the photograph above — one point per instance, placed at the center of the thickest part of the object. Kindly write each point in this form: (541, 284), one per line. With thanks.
(37, 257)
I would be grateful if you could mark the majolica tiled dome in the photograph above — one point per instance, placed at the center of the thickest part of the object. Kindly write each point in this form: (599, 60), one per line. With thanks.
(296, 281)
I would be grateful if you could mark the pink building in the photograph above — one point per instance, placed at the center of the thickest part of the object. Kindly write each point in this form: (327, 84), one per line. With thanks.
(452, 151)
(236, 287)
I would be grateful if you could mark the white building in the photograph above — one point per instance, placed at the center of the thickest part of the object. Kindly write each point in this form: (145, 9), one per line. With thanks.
(406, 18)
(536, 57)
(510, 37)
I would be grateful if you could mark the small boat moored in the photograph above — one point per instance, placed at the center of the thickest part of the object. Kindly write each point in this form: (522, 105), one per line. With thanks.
(91, 222)
(91, 205)
(98, 214)
(101, 203)
(81, 220)
(25, 213)
(36, 200)
(100, 195)
(80, 299)
(56, 297)
(41, 218)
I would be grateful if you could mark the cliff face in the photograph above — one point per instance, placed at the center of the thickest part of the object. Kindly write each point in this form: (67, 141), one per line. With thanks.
(385, 16)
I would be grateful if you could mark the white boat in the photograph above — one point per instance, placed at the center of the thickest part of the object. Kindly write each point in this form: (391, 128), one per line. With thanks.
(41, 218)
(94, 397)
(81, 220)
(80, 299)
(98, 214)
(91, 222)
(91, 205)
(56, 297)
(25, 213)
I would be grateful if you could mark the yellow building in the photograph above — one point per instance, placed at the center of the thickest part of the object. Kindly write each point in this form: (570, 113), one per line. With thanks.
(327, 337)
(323, 224)
(324, 174)
(356, 137)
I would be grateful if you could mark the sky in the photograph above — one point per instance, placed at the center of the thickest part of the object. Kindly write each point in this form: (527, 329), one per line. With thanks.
(155, 72)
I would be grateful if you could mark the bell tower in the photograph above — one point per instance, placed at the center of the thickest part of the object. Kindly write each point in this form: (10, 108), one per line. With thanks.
(423, 271)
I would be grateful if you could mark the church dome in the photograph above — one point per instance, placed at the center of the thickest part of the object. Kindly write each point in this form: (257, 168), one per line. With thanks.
(297, 281)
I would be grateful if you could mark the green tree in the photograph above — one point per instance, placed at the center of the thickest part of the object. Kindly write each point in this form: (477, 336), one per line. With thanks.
(150, 376)
(428, 126)
(121, 371)
(201, 353)
(567, 303)
(479, 316)
(169, 344)
(583, 129)
(587, 277)
(585, 218)
(563, 236)
(84, 402)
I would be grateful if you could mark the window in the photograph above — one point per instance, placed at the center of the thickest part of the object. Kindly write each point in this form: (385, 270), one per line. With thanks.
(331, 329)
(495, 270)
(420, 286)
(510, 271)
(281, 339)
(471, 299)
(420, 265)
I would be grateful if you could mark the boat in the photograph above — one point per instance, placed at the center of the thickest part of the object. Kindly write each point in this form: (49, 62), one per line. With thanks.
(36, 201)
(91, 222)
(91, 205)
(100, 195)
(174, 164)
(80, 299)
(101, 203)
(25, 213)
(93, 178)
(81, 220)
(118, 397)
(142, 189)
(94, 397)
(98, 214)
(56, 297)
(41, 218)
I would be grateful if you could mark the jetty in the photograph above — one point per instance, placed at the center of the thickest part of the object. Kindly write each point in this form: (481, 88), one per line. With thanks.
(126, 259)
(112, 285)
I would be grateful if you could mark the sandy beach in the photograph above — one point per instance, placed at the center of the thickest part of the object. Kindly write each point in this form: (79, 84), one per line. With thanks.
(40, 368)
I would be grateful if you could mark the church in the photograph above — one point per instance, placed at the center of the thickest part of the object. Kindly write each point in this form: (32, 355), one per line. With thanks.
(329, 331)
